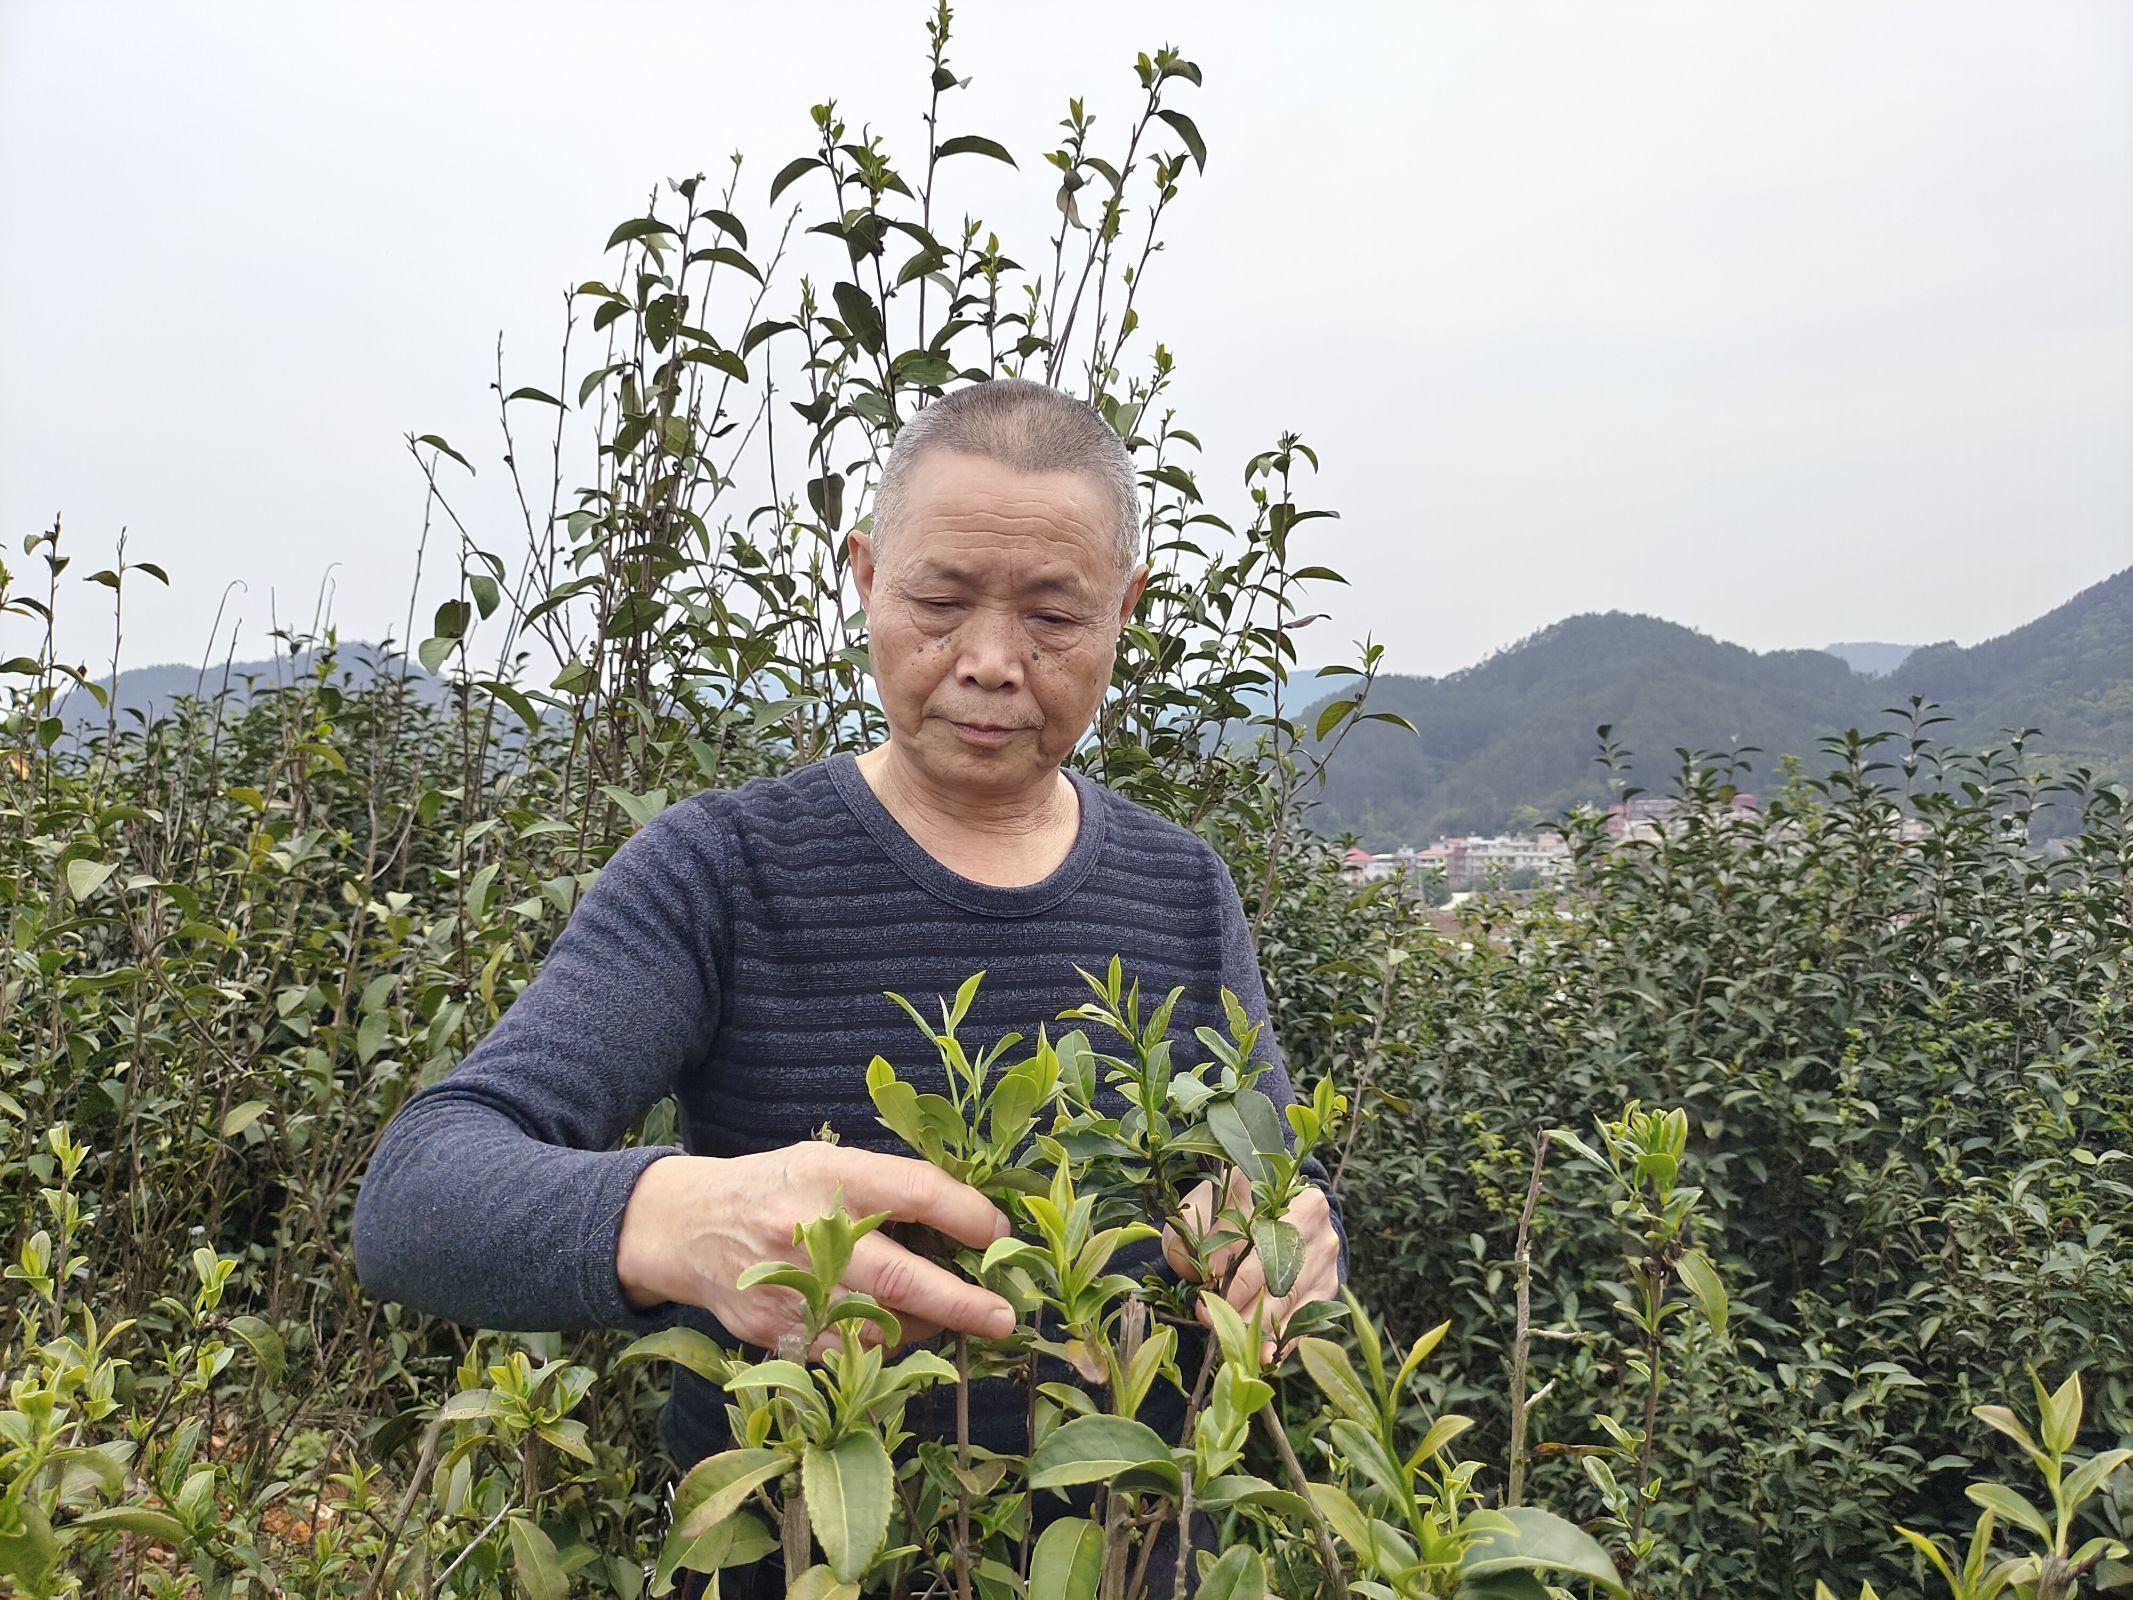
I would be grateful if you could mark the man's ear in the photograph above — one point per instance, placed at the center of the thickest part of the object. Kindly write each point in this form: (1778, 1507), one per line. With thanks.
(859, 550)
(1132, 597)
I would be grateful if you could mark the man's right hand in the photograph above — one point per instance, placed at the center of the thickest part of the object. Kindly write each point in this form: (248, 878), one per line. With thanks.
(694, 1224)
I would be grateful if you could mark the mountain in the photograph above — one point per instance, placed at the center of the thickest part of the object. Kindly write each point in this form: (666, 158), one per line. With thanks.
(1872, 660)
(151, 690)
(2069, 674)
(1517, 729)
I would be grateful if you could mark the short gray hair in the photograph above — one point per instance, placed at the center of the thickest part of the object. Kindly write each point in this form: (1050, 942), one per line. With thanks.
(1023, 425)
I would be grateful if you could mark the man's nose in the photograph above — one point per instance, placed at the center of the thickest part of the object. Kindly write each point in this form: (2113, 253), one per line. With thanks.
(990, 653)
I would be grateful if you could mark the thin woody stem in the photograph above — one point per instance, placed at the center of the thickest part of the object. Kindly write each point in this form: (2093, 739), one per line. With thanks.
(1183, 1563)
(962, 1462)
(1192, 1415)
(1328, 1552)
(794, 1540)
(1132, 1329)
(1523, 1338)
(415, 1479)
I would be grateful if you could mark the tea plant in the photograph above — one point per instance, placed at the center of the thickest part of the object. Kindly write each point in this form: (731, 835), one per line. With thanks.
(1084, 1181)
(1641, 1153)
(1899, 1034)
(2055, 1569)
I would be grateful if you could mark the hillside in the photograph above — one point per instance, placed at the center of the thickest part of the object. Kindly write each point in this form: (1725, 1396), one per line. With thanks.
(2069, 674)
(1517, 730)
(153, 690)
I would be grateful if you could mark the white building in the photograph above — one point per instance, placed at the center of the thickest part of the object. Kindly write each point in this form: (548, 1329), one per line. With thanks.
(1476, 858)
(1467, 860)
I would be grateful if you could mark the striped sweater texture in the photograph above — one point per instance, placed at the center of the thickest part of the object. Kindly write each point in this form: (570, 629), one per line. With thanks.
(734, 954)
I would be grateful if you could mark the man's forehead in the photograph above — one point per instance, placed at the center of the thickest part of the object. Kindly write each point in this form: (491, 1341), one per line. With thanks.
(982, 562)
(973, 520)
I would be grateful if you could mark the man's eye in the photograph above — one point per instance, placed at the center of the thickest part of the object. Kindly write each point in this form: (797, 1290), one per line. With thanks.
(1053, 620)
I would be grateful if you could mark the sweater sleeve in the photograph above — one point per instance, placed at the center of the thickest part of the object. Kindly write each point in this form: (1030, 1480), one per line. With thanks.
(495, 1196)
(1241, 976)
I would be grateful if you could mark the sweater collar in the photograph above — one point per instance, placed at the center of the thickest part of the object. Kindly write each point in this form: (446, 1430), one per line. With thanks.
(944, 882)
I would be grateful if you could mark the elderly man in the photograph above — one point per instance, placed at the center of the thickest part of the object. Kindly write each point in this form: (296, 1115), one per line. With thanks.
(733, 954)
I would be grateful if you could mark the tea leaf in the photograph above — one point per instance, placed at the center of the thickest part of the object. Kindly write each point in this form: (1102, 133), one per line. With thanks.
(819, 1583)
(791, 172)
(973, 144)
(1187, 130)
(85, 877)
(435, 442)
(1540, 1541)
(144, 1520)
(1067, 1562)
(719, 1485)
(639, 228)
(2004, 1502)
(850, 1487)
(860, 315)
(240, 1117)
(1093, 1449)
(1280, 1244)
(534, 1562)
(1702, 1281)
(1239, 1573)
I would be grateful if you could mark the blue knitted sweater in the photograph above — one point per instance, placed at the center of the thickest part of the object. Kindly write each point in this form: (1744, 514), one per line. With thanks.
(734, 954)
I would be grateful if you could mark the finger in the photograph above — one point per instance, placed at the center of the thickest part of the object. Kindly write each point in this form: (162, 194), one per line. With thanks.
(1320, 1282)
(914, 1191)
(905, 1282)
(1247, 1293)
(1202, 1214)
(1179, 1258)
(1311, 1211)
(1246, 1285)
(1193, 1211)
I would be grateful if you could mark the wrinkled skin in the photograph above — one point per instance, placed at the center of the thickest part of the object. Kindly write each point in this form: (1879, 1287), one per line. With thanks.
(993, 620)
(696, 1223)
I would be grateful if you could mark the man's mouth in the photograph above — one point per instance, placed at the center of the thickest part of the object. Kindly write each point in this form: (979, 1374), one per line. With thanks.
(987, 733)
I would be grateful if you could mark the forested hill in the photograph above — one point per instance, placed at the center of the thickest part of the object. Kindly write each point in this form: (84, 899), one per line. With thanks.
(155, 690)
(1517, 730)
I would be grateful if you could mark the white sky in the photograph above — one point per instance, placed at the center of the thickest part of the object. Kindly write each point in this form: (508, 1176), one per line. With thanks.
(1791, 321)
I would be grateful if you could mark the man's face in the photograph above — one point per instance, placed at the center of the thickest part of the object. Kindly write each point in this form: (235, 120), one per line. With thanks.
(994, 615)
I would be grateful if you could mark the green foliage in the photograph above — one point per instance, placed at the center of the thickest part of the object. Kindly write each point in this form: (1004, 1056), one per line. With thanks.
(1403, 1509)
(1898, 1035)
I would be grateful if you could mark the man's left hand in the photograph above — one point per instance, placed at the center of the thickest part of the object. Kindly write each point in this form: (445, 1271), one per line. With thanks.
(1312, 1216)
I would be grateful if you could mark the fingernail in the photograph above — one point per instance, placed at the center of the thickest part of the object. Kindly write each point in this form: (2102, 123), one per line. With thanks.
(1002, 1322)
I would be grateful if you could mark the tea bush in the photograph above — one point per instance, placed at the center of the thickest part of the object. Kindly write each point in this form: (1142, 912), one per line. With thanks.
(1902, 1039)
(239, 932)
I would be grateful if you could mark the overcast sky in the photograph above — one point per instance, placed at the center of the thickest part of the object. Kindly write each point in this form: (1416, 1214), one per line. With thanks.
(1793, 322)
